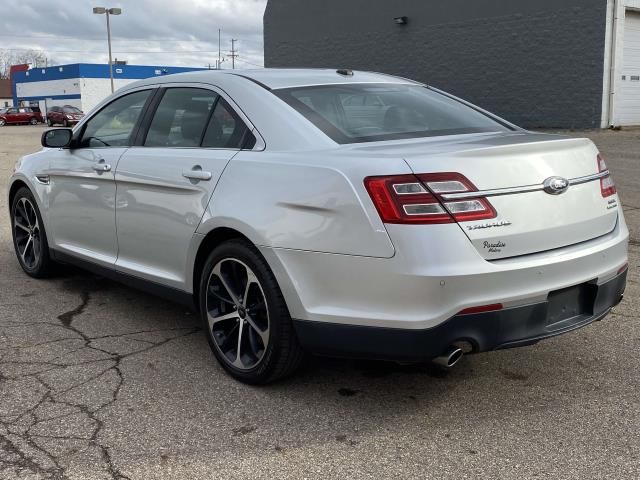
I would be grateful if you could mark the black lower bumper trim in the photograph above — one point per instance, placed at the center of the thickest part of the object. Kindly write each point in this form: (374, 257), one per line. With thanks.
(508, 328)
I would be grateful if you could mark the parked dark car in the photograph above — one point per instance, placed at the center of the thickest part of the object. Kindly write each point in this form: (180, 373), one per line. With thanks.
(19, 115)
(66, 115)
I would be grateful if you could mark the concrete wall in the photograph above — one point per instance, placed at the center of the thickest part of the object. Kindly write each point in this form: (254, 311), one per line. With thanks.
(538, 64)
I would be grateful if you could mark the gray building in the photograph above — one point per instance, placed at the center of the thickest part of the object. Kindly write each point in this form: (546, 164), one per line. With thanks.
(542, 63)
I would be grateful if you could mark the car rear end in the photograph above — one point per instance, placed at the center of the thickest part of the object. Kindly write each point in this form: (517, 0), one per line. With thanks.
(501, 237)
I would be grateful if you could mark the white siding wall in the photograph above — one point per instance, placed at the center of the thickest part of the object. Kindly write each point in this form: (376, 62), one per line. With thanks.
(7, 101)
(94, 90)
(67, 86)
(616, 112)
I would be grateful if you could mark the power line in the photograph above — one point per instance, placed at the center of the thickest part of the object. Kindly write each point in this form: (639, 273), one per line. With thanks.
(116, 51)
(249, 63)
(98, 39)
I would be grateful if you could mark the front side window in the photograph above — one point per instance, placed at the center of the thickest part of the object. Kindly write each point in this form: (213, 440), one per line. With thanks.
(112, 126)
(376, 112)
(181, 118)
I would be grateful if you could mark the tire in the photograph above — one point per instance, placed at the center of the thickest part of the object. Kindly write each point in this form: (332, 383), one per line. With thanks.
(34, 121)
(258, 364)
(3, 122)
(65, 123)
(49, 122)
(29, 236)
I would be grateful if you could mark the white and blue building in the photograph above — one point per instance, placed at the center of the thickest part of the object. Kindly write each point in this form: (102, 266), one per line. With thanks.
(82, 85)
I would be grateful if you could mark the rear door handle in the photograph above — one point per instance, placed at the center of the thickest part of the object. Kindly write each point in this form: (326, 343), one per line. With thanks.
(101, 167)
(197, 175)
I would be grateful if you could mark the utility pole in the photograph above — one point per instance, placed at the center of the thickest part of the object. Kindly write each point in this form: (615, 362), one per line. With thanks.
(233, 53)
(219, 48)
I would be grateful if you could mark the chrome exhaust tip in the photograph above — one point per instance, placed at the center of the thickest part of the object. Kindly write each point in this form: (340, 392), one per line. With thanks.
(450, 357)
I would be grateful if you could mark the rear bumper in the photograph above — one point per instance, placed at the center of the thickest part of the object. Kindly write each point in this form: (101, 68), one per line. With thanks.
(508, 328)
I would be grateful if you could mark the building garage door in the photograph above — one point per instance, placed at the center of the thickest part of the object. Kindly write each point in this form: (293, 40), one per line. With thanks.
(628, 102)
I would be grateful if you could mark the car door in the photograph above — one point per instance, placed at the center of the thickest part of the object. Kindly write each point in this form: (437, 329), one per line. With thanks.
(82, 184)
(165, 181)
(12, 115)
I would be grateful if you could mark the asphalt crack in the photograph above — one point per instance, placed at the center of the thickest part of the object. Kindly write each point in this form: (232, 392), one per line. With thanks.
(38, 459)
(67, 317)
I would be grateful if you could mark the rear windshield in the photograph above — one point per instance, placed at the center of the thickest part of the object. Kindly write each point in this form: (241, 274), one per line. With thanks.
(375, 112)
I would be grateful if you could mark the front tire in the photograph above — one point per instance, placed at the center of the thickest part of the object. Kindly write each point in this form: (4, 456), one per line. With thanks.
(49, 122)
(65, 123)
(3, 122)
(29, 237)
(245, 317)
(33, 121)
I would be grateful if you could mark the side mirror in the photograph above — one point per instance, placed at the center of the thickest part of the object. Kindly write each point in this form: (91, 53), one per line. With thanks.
(57, 138)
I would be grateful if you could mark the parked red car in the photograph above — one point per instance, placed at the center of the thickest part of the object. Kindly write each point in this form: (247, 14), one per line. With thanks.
(67, 115)
(19, 115)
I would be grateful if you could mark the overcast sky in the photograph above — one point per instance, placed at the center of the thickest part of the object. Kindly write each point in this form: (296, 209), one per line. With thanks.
(149, 32)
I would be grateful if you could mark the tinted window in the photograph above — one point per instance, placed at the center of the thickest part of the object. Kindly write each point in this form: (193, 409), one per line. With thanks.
(112, 126)
(227, 130)
(181, 118)
(374, 112)
(71, 110)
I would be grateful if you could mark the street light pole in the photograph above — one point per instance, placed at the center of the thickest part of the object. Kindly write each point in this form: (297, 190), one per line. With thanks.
(109, 42)
(108, 12)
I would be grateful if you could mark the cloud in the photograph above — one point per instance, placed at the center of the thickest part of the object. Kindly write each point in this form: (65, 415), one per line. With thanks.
(151, 32)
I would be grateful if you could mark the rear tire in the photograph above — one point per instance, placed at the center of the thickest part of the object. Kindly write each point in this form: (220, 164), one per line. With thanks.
(29, 236)
(34, 121)
(253, 337)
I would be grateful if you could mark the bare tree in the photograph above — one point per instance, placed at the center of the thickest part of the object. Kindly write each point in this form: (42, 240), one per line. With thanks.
(37, 59)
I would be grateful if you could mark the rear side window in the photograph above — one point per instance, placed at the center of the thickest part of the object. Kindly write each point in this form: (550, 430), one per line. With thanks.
(181, 118)
(376, 112)
(227, 130)
(112, 126)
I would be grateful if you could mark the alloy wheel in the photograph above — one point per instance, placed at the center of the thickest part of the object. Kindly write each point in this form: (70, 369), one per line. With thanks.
(2, 122)
(27, 232)
(237, 314)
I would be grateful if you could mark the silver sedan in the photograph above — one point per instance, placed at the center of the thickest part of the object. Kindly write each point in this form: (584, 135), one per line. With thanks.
(333, 212)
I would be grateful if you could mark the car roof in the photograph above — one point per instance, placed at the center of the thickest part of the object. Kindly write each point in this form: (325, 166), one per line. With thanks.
(276, 78)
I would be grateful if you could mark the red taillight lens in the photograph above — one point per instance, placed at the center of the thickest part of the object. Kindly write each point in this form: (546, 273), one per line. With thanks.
(417, 199)
(607, 186)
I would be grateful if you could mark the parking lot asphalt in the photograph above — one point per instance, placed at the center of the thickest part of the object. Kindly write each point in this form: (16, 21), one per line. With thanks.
(98, 381)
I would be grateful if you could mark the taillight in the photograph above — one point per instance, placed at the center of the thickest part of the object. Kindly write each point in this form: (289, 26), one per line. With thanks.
(417, 199)
(607, 186)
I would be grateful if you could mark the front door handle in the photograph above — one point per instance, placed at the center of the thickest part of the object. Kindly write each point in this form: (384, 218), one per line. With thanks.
(197, 175)
(101, 167)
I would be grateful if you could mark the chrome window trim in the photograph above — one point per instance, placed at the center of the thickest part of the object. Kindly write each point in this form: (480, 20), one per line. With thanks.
(260, 142)
(525, 189)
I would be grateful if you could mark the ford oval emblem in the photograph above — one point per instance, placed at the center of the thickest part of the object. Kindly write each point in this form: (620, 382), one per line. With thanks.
(556, 185)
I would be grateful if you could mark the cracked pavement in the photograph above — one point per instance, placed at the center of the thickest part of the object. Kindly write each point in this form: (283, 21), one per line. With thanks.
(99, 381)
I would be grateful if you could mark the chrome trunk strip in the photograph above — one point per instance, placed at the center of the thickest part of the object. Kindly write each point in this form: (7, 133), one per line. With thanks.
(525, 189)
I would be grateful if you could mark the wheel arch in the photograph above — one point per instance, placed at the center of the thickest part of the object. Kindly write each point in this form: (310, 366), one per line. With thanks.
(210, 241)
(221, 234)
(13, 190)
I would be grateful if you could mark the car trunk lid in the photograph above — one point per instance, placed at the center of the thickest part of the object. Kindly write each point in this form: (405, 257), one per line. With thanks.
(531, 215)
